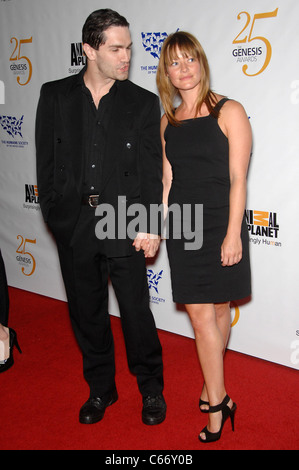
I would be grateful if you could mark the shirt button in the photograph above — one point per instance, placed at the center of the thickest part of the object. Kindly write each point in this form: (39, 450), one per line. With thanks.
(91, 187)
(93, 166)
(129, 145)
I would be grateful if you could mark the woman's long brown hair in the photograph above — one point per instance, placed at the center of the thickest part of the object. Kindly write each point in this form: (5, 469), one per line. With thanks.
(189, 46)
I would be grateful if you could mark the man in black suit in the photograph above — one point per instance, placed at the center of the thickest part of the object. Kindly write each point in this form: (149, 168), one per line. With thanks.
(98, 144)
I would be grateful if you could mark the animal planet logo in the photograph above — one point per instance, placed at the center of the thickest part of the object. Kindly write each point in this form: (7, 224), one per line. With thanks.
(78, 57)
(259, 47)
(152, 44)
(262, 225)
(153, 280)
(31, 197)
(13, 127)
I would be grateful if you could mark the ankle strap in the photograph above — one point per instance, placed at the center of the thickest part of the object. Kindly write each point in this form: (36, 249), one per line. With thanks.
(214, 409)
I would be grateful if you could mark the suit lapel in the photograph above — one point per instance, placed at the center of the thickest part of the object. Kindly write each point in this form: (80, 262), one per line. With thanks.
(72, 115)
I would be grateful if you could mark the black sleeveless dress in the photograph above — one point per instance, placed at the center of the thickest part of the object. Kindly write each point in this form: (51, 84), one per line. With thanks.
(198, 153)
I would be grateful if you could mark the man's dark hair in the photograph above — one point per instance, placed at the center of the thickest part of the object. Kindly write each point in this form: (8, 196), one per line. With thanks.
(93, 32)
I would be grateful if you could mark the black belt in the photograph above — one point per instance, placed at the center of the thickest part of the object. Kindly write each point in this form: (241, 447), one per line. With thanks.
(92, 200)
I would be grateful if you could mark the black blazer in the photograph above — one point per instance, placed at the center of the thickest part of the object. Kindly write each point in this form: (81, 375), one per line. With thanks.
(132, 165)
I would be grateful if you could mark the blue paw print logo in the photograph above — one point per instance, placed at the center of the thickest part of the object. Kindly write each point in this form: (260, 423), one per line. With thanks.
(153, 279)
(152, 43)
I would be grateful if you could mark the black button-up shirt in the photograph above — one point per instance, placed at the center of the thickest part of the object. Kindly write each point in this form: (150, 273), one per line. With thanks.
(96, 122)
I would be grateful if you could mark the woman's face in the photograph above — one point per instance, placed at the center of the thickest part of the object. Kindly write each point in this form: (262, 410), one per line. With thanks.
(184, 71)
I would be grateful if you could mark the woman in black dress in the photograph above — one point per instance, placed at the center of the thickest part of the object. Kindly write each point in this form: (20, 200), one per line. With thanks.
(207, 144)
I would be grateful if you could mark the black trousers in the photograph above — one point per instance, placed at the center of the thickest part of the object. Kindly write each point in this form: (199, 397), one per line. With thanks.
(4, 298)
(86, 269)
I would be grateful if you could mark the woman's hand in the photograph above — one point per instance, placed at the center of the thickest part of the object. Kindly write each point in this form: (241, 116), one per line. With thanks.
(231, 250)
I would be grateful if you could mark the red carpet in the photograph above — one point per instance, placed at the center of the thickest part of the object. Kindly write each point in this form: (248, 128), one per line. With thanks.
(42, 393)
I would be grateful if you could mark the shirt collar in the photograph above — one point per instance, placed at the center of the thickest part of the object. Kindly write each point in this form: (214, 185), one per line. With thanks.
(81, 83)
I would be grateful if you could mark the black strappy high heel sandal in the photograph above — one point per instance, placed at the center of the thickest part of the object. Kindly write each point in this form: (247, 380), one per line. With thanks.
(12, 341)
(227, 412)
(205, 403)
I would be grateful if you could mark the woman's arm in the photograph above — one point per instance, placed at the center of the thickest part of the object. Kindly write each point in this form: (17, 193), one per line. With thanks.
(167, 171)
(235, 124)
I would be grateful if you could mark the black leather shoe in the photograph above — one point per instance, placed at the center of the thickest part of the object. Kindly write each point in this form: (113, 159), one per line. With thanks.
(154, 409)
(94, 409)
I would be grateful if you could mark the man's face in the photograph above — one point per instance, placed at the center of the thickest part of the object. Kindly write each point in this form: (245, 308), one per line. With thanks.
(112, 59)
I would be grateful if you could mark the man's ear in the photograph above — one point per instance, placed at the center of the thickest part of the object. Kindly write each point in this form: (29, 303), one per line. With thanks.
(89, 51)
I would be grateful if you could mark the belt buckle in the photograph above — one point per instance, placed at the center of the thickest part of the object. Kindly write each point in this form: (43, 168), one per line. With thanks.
(93, 200)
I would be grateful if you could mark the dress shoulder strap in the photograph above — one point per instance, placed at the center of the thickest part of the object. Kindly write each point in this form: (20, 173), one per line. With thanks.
(220, 104)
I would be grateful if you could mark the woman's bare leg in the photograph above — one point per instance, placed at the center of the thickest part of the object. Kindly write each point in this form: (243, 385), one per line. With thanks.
(211, 338)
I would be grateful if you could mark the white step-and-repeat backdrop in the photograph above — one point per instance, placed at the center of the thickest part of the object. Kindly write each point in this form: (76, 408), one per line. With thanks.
(252, 47)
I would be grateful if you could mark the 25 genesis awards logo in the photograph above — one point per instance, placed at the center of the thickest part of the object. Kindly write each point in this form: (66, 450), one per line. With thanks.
(21, 65)
(252, 49)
